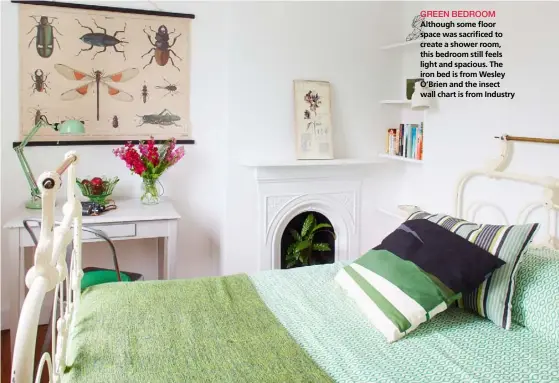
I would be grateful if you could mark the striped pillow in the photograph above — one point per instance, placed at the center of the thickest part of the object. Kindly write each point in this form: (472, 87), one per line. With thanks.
(493, 298)
(414, 274)
(394, 294)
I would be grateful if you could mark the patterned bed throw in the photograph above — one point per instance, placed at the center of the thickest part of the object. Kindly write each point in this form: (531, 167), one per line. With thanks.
(284, 327)
(202, 330)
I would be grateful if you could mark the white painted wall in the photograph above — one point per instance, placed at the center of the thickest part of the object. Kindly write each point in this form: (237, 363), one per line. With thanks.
(196, 184)
(270, 44)
(244, 58)
(458, 133)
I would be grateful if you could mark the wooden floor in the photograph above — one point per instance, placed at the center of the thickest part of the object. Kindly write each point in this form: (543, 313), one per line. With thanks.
(7, 355)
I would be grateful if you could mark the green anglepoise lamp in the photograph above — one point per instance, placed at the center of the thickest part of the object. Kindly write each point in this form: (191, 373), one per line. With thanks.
(64, 127)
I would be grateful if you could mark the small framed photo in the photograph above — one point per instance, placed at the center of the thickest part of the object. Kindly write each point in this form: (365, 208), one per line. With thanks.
(313, 120)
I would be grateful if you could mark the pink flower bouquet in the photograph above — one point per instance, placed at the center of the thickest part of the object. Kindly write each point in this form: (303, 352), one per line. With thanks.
(150, 161)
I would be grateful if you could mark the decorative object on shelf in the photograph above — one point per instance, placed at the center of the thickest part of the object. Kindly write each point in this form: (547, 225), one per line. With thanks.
(313, 121)
(97, 189)
(66, 127)
(410, 86)
(417, 28)
(62, 60)
(300, 252)
(418, 101)
(150, 161)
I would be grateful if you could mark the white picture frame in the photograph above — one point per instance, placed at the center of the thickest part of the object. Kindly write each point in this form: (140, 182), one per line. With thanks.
(313, 120)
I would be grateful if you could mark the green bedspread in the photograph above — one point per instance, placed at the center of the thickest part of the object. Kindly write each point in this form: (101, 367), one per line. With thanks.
(203, 330)
(455, 346)
(284, 326)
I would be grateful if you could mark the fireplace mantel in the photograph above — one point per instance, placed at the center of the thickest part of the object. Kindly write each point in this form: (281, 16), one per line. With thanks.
(292, 163)
(300, 170)
(329, 187)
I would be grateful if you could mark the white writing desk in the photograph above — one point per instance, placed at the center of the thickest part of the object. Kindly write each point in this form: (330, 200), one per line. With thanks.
(131, 220)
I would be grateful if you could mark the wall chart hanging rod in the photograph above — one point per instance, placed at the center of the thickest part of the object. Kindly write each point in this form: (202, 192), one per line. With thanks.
(529, 139)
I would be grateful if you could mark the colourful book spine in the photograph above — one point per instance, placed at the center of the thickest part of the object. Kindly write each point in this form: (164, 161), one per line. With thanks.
(401, 140)
(420, 143)
(396, 141)
(405, 147)
(413, 141)
(410, 141)
(391, 135)
(387, 144)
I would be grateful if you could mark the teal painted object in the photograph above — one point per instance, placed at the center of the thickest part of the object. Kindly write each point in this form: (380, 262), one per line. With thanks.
(98, 277)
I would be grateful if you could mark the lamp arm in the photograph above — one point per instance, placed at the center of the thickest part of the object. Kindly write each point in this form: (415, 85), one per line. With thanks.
(35, 192)
(28, 174)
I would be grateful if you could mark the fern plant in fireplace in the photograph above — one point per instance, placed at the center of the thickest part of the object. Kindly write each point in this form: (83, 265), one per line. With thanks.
(311, 245)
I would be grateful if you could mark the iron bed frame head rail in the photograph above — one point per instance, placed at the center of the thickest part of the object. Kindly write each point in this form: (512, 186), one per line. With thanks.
(495, 169)
(48, 273)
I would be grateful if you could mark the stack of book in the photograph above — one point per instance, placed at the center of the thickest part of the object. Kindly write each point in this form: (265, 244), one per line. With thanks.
(406, 141)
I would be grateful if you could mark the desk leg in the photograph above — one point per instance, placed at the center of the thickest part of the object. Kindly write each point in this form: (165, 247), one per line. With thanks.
(167, 253)
(16, 266)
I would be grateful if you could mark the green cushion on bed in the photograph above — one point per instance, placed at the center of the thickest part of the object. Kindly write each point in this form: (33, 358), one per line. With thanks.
(97, 277)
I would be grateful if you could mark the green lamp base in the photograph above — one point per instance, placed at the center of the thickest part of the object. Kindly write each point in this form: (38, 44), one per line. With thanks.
(34, 203)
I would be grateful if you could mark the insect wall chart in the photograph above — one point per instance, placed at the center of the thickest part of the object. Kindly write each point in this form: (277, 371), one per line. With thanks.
(124, 72)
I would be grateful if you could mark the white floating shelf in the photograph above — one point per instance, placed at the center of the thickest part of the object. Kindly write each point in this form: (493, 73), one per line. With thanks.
(398, 214)
(402, 211)
(399, 158)
(402, 44)
(298, 163)
(401, 102)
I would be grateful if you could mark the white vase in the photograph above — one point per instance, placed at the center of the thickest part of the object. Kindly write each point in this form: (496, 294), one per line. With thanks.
(419, 102)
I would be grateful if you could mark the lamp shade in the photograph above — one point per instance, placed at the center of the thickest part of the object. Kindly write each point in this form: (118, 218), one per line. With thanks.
(418, 102)
(71, 127)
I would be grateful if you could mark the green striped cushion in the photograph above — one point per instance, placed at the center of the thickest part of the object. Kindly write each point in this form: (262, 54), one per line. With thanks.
(395, 294)
(493, 298)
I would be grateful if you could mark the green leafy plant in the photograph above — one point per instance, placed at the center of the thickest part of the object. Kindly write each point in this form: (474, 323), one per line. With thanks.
(301, 251)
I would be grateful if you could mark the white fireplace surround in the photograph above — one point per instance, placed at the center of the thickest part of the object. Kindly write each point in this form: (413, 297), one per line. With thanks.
(286, 191)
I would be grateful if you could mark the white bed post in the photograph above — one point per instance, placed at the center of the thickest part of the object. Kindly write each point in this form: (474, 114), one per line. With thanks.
(49, 272)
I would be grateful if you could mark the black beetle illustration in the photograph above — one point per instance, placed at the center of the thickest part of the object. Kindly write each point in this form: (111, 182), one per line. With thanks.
(170, 88)
(162, 47)
(115, 121)
(39, 79)
(145, 93)
(103, 40)
(44, 39)
(165, 118)
(37, 113)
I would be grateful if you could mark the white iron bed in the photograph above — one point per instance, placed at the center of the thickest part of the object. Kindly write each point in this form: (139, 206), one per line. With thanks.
(50, 271)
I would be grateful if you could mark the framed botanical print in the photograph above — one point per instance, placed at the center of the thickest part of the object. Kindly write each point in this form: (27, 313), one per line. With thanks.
(313, 120)
(124, 72)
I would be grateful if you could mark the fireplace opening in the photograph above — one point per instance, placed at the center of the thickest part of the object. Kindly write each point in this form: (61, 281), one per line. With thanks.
(308, 239)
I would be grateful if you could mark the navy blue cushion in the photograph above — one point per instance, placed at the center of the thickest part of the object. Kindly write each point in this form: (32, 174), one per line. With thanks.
(455, 261)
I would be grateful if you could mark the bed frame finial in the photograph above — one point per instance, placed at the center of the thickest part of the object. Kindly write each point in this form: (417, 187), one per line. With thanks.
(49, 272)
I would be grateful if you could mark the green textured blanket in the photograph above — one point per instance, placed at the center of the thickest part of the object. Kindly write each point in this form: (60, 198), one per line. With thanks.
(274, 326)
(201, 330)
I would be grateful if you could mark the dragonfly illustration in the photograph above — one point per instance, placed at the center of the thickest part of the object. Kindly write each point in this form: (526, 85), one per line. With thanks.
(96, 78)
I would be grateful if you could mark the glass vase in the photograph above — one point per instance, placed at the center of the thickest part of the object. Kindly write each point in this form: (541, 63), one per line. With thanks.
(151, 191)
